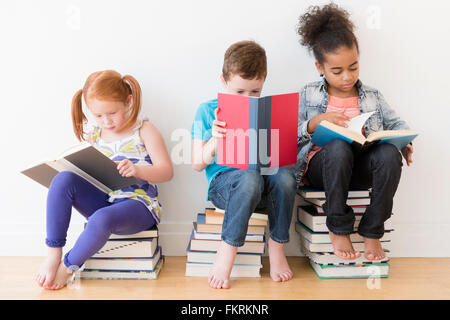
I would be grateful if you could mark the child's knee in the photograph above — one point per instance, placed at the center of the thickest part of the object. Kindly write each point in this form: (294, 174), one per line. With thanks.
(250, 182)
(65, 178)
(101, 221)
(339, 151)
(285, 179)
(387, 156)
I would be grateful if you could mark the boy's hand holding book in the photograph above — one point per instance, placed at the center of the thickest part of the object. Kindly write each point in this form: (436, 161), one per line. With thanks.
(218, 128)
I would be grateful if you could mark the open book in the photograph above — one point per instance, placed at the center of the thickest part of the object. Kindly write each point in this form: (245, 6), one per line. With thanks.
(86, 161)
(327, 131)
(261, 131)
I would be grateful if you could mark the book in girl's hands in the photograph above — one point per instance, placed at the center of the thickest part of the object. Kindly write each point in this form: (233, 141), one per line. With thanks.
(260, 132)
(87, 162)
(327, 131)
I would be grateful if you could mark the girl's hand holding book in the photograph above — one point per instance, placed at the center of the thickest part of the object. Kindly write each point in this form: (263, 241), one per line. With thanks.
(407, 154)
(338, 118)
(127, 168)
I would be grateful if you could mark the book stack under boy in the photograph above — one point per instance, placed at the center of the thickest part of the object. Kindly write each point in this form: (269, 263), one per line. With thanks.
(317, 246)
(206, 237)
(135, 256)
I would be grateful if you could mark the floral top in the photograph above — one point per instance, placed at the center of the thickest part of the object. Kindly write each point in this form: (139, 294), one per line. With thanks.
(133, 149)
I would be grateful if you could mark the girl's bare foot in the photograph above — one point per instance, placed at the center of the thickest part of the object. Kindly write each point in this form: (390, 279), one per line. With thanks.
(373, 249)
(62, 277)
(279, 267)
(219, 274)
(343, 247)
(47, 271)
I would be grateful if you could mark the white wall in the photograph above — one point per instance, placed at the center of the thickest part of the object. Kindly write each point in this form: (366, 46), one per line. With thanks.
(175, 50)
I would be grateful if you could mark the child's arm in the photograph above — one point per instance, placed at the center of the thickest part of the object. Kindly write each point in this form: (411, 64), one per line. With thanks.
(161, 170)
(307, 125)
(203, 152)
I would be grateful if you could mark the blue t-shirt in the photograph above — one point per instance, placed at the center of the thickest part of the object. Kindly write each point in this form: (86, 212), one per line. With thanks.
(201, 129)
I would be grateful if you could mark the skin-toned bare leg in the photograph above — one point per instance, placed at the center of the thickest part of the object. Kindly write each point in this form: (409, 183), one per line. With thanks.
(343, 247)
(47, 271)
(219, 275)
(279, 267)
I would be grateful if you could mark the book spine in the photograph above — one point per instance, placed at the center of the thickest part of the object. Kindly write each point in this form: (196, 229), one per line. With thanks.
(264, 152)
(253, 134)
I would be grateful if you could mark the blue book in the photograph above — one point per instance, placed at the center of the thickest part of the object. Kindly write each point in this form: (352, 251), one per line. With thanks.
(327, 131)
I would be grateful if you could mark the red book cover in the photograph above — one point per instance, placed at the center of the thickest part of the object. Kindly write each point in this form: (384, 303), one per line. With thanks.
(261, 132)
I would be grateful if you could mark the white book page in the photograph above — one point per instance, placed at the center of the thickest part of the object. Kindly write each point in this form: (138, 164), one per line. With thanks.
(64, 165)
(357, 122)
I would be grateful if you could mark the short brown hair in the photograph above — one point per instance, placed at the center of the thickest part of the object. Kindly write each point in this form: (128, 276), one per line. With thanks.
(246, 59)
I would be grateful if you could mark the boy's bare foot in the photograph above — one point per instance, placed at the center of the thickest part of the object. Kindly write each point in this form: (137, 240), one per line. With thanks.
(373, 249)
(62, 277)
(343, 247)
(219, 274)
(47, 271)
(279, 267)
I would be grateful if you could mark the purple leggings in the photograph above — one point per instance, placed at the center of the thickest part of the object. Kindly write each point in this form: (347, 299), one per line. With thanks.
(123, 216)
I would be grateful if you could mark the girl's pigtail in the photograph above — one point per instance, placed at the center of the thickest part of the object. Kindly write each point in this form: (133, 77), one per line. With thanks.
(135, 91)
(78, 117)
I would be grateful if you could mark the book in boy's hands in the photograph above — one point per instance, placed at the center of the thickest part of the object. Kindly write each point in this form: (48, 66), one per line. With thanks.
(327, 131)
(260, 132)
(87, 162)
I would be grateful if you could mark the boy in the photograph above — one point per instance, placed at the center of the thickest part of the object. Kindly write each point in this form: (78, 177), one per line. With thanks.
(240, 191)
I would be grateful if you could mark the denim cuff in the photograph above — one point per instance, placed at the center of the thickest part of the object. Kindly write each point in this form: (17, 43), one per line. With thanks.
(370, 235)
(55, 243)
(232, 243)
(278, 240)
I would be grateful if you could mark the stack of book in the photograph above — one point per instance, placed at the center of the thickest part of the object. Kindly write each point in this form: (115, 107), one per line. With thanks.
(206, 237)
(317, 246)
(136, 256)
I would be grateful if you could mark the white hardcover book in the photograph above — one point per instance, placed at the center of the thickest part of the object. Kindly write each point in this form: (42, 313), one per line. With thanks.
(129, 264)
(317, 223)
(238, 271)
(329, 258)
(380, 270)
(324, 237)
(129, 275)
(128, 249)
(328, 247)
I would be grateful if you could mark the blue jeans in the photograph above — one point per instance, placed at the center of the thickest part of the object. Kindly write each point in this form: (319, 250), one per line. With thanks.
(336, 169)
(240, 192)
(123, 216)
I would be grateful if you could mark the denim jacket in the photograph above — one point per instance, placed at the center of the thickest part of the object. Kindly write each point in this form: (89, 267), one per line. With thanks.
(314, 100)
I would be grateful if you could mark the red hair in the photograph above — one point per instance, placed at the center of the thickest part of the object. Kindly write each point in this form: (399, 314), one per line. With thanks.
(106, 85)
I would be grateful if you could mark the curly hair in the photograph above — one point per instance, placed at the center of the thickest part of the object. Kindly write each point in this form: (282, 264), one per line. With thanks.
(325, 29)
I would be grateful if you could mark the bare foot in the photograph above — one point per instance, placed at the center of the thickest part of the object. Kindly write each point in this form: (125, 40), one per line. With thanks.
(343, 247)
(219, 274)
(279, 267)
(62, 277)
(47, 271)
(373, 249)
